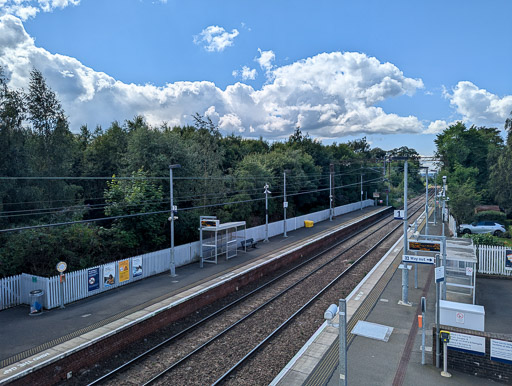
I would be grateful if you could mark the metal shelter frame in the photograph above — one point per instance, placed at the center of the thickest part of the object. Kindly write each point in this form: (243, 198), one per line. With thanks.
(218, 239)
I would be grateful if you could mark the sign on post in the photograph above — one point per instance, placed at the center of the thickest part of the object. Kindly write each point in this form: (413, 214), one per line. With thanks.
(418, 259)
(439, 274)
(429, 246)
(399, 214)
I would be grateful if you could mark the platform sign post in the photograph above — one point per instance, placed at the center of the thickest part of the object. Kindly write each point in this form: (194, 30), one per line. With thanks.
(174, 211)
(405, 271)
(285, 204)
(266, 212)
(343, 341)
(423, 312)
(61, 268)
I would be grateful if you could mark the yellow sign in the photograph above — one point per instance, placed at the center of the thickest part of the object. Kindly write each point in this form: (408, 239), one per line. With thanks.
(124, 270)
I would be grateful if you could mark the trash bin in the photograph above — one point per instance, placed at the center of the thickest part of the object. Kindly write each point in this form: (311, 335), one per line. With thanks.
(36, 301)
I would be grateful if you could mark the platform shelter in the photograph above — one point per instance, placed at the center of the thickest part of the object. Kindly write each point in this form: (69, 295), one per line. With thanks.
(218, 239)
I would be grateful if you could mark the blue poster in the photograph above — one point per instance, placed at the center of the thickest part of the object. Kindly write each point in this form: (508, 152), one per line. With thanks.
(508, 259)
(93, 279)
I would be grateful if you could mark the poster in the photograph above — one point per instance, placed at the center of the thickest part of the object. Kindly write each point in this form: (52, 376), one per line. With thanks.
(109, 275)
(93, 279)
(508, 259)
(137, 266)
(124, 270)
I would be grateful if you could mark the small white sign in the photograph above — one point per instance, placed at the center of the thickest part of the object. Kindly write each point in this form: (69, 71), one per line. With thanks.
(469, 271)
(459, 317)
(418, 259)
(285, 204)
(469, 343)
(501, 351)
(439, 274)
(399, 214)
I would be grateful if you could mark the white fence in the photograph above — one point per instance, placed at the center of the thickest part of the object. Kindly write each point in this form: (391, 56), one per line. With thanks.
(78, 285)
(10, 289)
(452, 226)
(491, 260)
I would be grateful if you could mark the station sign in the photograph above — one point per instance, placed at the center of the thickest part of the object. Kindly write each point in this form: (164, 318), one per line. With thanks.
(439, 274)
(429, 246)
(399, 214)
(376, 194)
(418, 259)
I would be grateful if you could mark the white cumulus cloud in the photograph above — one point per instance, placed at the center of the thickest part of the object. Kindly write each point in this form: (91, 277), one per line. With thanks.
(265, 60)
(215, 38)
(328, 95)
(245, 73)
(478, 105)
(26, 9)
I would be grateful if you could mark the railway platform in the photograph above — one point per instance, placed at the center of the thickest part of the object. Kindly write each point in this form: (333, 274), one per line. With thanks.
(49, 347)
(373, 362)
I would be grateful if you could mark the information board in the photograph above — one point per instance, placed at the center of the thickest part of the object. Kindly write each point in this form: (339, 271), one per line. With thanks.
(501, 351)
(508, 259)
(93, 279)
(124, 270)
(429, 246)
(137, 266)
(467, 343)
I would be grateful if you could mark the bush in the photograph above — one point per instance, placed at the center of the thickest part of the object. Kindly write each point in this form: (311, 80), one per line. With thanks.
(491, 215)
(484, 239)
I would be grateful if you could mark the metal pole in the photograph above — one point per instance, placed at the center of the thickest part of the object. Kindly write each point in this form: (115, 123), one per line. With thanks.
(443, 293)
(438, 350)
(405, 271)
(266, 213)
(173, 266)
(435, 199)
(343, 341)
(330, 191)
(62, 290)
(361, 192)
(423, 311)
(285, 204)
(426, 202)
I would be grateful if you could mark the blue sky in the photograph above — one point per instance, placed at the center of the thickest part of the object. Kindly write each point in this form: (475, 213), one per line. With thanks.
(396, 72)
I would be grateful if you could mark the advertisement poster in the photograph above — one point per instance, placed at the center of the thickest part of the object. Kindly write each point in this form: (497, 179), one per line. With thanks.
(93, 279)
(508, 259)
(109, 275)
(137, 266)
(124, 270)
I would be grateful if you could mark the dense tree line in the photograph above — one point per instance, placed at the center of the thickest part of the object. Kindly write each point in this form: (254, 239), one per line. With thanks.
(75, 177)
(478, 165)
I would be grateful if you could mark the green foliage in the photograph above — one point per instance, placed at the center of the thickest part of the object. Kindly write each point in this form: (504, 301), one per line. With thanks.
(484, 239)
(491, 215)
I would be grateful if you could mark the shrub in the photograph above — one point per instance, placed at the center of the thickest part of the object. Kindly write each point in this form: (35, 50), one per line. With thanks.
(484, 239)
(491, 215)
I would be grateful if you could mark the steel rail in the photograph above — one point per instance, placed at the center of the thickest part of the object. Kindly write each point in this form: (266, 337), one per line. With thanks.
(307, 304)
(169, 340)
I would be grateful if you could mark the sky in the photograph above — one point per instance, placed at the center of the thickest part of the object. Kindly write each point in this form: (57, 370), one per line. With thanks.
(396, 72)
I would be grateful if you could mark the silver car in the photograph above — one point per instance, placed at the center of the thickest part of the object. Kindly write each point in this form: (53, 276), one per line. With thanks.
(483, 227)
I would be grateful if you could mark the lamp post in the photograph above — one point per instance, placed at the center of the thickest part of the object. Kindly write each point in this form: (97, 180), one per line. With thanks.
(285, 203)
(174, 210)
(266, 212)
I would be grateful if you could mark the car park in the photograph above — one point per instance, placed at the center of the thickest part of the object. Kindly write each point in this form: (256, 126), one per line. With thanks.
(483, 227)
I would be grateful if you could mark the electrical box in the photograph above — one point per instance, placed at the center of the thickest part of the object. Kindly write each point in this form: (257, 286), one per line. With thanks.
(462, 315)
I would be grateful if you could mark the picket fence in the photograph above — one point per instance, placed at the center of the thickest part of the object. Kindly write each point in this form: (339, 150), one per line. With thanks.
(16, 290)
(491, 260)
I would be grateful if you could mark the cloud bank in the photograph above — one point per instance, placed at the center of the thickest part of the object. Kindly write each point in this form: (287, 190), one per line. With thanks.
(328, 95)
(26, 9)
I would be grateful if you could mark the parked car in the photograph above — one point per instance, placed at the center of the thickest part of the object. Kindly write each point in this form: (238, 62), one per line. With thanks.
(483, 227)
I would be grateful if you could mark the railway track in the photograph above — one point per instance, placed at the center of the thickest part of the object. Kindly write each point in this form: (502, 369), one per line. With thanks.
(249, 340)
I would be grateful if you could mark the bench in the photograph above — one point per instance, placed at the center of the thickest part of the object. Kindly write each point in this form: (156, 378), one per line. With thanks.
(248, 243)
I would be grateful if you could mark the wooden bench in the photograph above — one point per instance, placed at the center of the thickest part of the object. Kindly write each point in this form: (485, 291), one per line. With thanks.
(248, 243)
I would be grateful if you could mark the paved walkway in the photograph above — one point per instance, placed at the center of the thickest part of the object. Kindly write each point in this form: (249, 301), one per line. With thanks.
(398, 361)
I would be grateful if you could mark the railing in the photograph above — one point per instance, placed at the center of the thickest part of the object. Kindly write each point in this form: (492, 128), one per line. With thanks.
(491, 260)
(80, 284)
